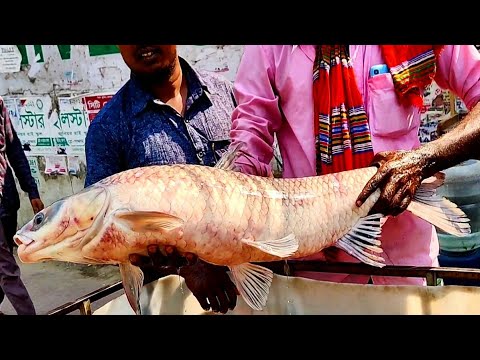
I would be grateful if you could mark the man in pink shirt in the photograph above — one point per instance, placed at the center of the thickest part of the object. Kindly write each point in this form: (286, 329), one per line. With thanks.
(331, 108)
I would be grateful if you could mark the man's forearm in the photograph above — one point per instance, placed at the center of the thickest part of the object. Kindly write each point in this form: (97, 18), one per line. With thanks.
(458, 145)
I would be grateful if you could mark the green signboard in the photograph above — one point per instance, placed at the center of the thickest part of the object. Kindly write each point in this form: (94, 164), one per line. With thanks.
(65, 51)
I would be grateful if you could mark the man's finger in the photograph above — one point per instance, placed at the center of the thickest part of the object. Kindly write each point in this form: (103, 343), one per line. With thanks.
(191, 258)
(232, 294)
(370, 187)
(139, 260)
(402, 206)
(173, 257)
(397, 199)
(381, 206)
(222, 301)
(202, 300)
(155, 254)
(381, 157)
(212, 299)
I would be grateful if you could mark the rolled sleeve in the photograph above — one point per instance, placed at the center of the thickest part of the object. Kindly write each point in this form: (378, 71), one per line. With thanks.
(459, 70)
(257, 115)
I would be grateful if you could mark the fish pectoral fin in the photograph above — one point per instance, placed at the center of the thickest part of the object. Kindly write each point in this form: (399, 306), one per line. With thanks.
(253, 283)
(141, 221)
(283, 247)
(363, 240)
(132, 279)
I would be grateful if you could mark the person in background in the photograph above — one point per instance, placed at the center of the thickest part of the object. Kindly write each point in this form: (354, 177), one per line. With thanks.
(333, 107)
(11, 199)
(11, 284)
(167, 113)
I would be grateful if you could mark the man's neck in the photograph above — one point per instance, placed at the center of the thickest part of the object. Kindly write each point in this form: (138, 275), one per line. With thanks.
(169, 88)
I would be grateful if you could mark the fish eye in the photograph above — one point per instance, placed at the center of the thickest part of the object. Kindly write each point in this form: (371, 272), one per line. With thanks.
(38, 219)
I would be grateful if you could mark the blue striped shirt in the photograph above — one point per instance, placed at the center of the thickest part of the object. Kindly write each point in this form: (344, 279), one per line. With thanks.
(134, 130)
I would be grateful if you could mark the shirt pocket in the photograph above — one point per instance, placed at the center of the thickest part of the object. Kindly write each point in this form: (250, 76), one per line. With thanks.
(387, 117)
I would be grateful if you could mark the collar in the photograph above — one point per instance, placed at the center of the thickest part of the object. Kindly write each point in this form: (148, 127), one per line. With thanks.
(308, 50)
(139, 96)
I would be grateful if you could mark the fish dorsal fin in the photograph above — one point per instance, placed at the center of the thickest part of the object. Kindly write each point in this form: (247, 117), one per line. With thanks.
(363, 240)
(132, 279)
(253, 283)
(227, 161)
(283, 247)
(141, 221)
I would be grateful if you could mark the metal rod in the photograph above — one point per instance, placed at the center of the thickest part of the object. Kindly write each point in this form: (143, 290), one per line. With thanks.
(431, 274)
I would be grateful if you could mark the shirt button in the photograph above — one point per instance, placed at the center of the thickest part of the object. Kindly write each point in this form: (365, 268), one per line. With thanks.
(200, 154)
(187, 121)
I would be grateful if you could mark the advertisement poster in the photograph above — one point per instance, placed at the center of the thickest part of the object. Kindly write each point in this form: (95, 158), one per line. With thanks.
(29, 117)
(70, 127)
(34, 170)
(436, 106)
(11, 106)
(73, 165)
(55, 165)
(10, 59)
(94, 103)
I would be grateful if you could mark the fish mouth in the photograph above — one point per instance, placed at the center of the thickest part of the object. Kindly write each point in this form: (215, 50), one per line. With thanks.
(22, 240)
(29, 250)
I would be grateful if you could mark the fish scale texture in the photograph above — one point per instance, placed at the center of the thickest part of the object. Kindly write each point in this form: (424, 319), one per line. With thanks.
(219, 208)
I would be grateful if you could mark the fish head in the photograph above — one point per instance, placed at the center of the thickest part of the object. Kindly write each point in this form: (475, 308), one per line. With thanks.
(61, 230)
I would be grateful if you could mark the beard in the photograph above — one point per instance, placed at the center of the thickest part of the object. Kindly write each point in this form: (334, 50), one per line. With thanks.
(160, 75)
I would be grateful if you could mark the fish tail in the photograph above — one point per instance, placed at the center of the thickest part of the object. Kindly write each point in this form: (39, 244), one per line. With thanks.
(437, 210)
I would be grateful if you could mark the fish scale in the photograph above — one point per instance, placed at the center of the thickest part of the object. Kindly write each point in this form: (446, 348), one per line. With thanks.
(273, 209)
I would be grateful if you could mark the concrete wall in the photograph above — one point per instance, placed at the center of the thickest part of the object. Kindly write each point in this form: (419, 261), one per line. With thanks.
(57, 71)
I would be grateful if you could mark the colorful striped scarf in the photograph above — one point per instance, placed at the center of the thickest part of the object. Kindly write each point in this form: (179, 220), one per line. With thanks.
(342, 133)
(6, 135)
(412, 67)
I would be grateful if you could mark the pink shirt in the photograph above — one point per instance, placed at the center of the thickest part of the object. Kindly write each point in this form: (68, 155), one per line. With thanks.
(273, 88)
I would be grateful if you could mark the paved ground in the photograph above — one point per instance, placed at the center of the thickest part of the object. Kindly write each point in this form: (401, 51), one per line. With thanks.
(52, 284)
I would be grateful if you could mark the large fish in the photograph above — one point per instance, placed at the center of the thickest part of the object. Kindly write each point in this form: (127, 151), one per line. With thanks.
(224, 217)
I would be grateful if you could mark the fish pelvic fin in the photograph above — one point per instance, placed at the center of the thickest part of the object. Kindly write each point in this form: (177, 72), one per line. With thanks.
(437, 210)
(283, 247)
(363, 240)
(253, 283)
(132, 279)
(227, 161)
(143, 221)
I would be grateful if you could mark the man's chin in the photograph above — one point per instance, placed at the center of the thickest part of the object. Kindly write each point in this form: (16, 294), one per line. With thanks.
(156, 73)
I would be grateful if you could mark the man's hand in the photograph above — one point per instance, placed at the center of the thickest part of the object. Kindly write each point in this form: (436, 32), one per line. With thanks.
(399, 175)
(210, 284)
(37, 205)
(156, 265)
